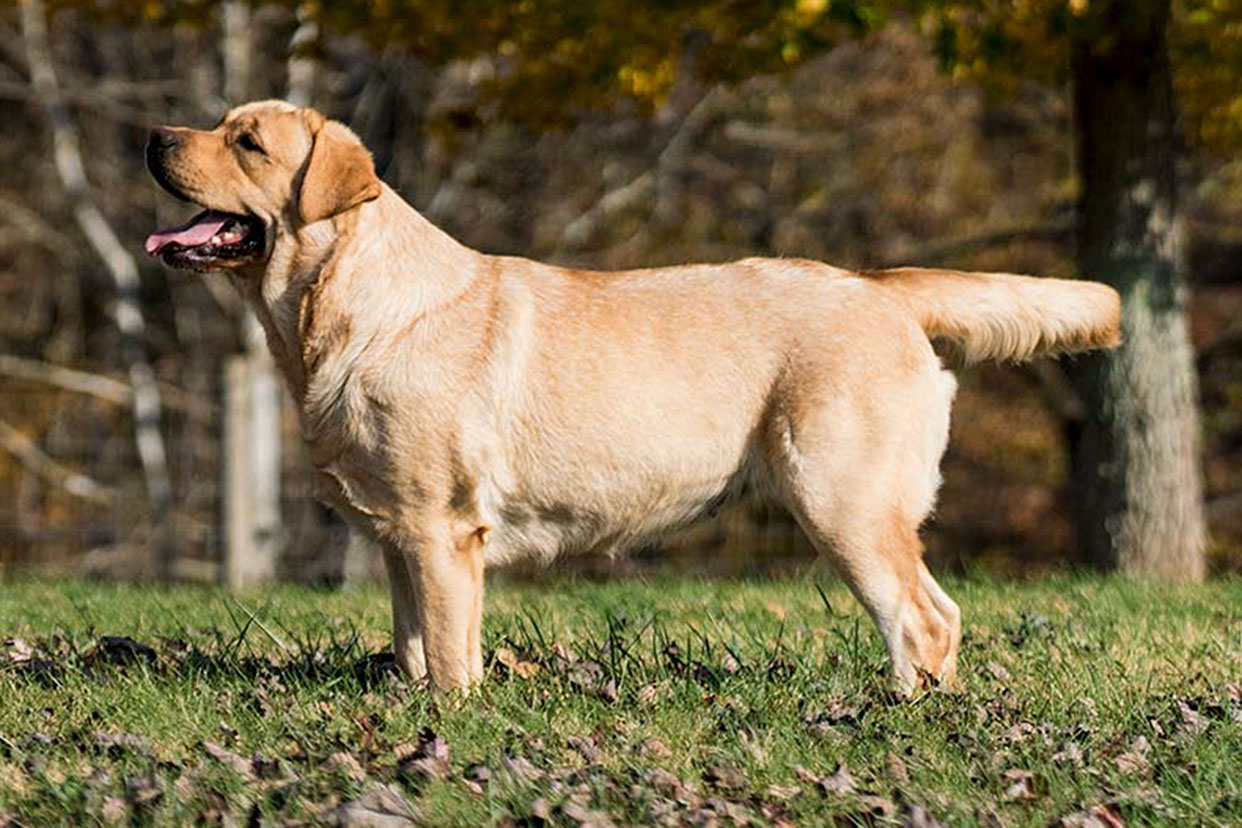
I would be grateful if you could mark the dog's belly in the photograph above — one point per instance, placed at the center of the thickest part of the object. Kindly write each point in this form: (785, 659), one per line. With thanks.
(611, 516)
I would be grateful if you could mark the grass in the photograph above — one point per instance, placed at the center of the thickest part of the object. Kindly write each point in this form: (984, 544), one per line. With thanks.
(669, 702)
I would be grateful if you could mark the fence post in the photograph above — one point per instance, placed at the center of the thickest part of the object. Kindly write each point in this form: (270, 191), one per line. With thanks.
(252, 441)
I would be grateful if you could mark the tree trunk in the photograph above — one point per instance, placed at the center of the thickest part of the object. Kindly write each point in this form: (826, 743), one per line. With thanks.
(251, 462)
(1135, 455)
(301, 65)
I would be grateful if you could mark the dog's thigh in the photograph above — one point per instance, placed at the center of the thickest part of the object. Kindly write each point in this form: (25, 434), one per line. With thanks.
(860, 473)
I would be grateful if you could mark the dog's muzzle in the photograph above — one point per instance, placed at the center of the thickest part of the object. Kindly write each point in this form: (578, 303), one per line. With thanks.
(161, 144)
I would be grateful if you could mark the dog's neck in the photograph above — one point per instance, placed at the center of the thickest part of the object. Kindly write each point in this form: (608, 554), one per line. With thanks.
(337, 285)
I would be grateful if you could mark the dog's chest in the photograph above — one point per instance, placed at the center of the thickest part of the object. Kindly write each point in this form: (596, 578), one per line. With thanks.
(347, 427)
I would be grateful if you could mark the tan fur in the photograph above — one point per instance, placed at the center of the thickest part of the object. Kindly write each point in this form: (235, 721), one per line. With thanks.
(467, 410)
(339, 174)
(1006, 317)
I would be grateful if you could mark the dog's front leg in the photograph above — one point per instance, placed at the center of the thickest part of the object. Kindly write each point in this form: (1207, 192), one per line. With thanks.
(407, 630)
(445, 570)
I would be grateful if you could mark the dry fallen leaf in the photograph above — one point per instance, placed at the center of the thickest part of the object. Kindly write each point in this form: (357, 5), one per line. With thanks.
(117, 743)
(1071, 754)
(481, 774)
(916, 816)
(650, 695)
(345, 764)
(17, 651)
(1019, 785)
(665, 782)
(877, 807)
(382, 806)
(1135, 759)
(839, 783)
(589, 677)
(725, 778)
(652, 746)
(584, 816)
(185, 787)
(1099, 816)
(838, 712)
(783, 792)
(515, 665)
(585, 746)
(143, 793)
(1018, 732)
(1193, 722)
(520, 770)
(266, 767)
(114, 810)
(541, 810)
(431, 758)
(229, 759)
(896, 768)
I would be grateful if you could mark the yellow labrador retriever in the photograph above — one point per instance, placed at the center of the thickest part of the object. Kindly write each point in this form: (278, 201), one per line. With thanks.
(465, 410)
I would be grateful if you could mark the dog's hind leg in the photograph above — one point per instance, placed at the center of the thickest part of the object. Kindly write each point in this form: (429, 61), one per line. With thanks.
(883, 567)
(860, 474)
(952, 616)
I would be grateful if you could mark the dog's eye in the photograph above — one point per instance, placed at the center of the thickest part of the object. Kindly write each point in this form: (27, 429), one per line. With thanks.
(247, 142)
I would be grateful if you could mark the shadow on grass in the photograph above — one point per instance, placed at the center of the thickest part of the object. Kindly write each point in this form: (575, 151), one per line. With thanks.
(627, 655)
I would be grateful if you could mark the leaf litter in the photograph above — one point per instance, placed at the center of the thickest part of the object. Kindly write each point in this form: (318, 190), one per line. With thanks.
(609, 779)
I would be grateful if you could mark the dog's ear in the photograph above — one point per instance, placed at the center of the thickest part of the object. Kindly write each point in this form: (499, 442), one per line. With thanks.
(339, 173)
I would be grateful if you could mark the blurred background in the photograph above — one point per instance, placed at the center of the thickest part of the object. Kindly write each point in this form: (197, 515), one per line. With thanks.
(142, 434)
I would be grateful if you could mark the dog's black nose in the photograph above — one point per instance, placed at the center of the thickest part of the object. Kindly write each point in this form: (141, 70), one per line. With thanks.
(163, 138)
(160, 145)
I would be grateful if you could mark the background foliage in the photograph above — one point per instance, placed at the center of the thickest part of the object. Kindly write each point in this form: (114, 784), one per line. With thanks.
(603, 134)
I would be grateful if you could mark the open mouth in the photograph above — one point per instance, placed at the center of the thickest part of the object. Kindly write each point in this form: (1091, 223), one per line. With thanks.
(209, 240)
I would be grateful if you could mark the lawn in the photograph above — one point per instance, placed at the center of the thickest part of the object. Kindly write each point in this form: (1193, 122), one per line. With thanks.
(666, 702)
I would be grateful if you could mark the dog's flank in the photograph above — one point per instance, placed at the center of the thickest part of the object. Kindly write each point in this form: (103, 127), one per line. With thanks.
(464, 409)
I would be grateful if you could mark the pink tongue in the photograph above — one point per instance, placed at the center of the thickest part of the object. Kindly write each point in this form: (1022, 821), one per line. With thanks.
(196, 231)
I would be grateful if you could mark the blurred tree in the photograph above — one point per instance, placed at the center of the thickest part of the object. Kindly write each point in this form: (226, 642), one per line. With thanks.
(1135, 454)
(1135, 462)
(1135, 450)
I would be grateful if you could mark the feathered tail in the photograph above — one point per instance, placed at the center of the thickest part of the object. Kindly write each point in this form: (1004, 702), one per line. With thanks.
(1006, 317)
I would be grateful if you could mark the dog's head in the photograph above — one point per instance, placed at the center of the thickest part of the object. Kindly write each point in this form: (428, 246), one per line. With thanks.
(267, 169)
